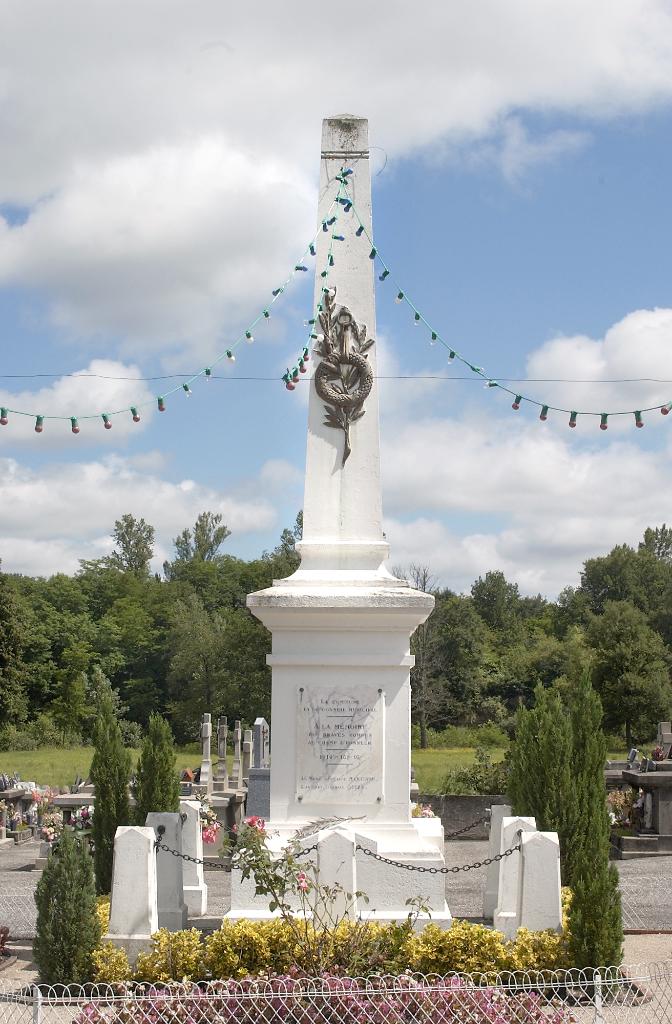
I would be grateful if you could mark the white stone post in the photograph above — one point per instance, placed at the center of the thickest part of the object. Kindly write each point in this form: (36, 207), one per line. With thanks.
(195, 889)
(169, 876)
(247, 756)
(337, 866)
(222, 780)
(497, 813)
(206, 759)
(539, 894)
(506, 912)
(237, 773)
(133, 907)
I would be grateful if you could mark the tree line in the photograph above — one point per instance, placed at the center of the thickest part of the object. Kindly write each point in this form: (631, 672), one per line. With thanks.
(183, 642)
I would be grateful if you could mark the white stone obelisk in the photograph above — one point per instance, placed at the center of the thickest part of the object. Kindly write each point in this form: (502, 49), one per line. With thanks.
(342, 623)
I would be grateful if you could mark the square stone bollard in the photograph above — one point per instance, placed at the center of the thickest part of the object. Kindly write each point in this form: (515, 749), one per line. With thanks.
(506, 912)
(497, 813)
(169, 875)
(337, 865)
(194, 888)
(539, 894)
(133, 907)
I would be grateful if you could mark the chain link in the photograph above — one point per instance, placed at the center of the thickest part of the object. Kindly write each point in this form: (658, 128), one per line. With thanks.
(467, 828)
(368, 853)
(439, 871)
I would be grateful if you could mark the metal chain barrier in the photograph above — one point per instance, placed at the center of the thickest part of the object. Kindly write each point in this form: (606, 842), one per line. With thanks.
(467, 828)
(368, 853)
(439, 871)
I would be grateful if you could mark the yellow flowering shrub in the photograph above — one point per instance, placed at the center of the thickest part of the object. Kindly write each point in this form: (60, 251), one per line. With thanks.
(176, 956)
(240, 948)
(539, 951)
(110, 963)
(103, 912)
(463, 948)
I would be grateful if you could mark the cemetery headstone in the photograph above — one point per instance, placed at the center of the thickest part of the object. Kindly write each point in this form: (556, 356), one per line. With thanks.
(133, 906)
(261, 747)
(247, 755)
(169, 876)
(206, 760)
(194, 887)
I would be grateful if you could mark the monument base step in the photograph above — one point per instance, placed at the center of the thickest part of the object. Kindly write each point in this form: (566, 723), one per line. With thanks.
(632, 847)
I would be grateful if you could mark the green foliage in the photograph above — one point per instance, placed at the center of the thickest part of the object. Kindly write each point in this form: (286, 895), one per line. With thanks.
(110, 773)
(156, 787)
(134, 539)
(630, 670)
(595, 914)
(487, 735)
(541, 782)
(68, 928)
(482, 777)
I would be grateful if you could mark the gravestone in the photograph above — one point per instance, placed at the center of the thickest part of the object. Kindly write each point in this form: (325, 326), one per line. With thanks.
(664, 739)
(194, 888)
(206, 760)
(505, 918)
(172, 909)
(261, 749)
(247, 756)
(341, 624)
(497, 814)
(540, 888)
(133, 904)
(221, 783)
(237, 772)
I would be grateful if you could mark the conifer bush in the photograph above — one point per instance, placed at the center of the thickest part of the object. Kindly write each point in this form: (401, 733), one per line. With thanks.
(157, 786)
(541, 770)
(68, 928)
(110, 773)
(595, 923)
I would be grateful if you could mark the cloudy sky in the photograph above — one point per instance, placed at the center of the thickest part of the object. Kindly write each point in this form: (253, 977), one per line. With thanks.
(159, 177)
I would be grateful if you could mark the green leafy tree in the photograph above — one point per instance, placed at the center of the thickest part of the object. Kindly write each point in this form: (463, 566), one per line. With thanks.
(134, 539)
(70, 706)
(156, 786)
(658, 542)
(496, 600)
(630, 671)
(110, 773)
(68, 927)
(456, 661)
(596, 930)
(13, 703)
(541, 781)
(624, 575)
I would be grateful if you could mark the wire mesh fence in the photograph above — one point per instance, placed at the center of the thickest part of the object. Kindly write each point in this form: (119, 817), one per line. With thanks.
(640, 994)
(18, 913)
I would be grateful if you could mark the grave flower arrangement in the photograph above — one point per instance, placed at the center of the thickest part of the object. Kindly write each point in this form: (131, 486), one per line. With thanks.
(210, 825)
(82, 819)
(52, 826)
(658, 754)
(422, 811)
(620, 805)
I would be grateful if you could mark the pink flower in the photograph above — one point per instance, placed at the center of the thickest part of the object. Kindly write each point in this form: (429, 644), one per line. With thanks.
(256, 822)
(302, 882)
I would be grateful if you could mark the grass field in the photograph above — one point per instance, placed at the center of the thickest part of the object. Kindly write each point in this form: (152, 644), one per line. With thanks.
(56, 766)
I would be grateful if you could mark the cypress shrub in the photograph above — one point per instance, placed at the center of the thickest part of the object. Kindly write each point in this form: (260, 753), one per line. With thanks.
(110, 773)
(157, 787)
(541, 773)
(68, 928)
(595, 924)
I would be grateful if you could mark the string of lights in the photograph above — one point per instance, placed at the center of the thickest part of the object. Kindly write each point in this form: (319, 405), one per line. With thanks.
(206, 372)
(454, 355)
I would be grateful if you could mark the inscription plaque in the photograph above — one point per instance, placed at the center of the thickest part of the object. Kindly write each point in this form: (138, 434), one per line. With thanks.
(339, 744)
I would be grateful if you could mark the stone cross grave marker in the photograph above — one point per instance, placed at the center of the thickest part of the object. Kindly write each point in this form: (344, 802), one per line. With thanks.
(222, 773)
(261, 746)
(237, 780)
(206, 760)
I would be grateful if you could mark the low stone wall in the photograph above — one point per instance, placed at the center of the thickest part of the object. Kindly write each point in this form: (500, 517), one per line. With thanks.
(457, 811)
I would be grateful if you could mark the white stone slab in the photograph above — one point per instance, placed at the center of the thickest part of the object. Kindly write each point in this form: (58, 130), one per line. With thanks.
(539, 894)
(133, 907)
(169, 877)
(194, 887)
(340, 743)
(497, 813)
(337, 867)
(506, 913)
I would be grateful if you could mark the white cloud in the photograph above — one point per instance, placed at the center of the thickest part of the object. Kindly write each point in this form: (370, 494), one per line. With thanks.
(638, 346)
(166, 153)
(165, 246)
(65, 512)
(88, 392)
(514, 150)
(535, 500)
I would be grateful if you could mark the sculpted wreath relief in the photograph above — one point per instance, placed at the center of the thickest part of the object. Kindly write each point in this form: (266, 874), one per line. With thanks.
(344, 378)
